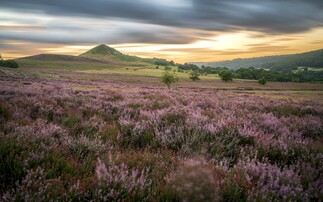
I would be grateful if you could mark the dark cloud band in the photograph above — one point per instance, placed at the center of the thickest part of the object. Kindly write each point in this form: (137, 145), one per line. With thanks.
(265, 15)
(159, 23)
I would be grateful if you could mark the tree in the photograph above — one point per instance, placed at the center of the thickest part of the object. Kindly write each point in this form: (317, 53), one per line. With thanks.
(168, 78)
(187, 66)
(163, 62)
(262, 81)
(194, 75)
(226, 75)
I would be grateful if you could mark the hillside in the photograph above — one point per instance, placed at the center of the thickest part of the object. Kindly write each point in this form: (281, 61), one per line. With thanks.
(277, 63)
(105, 53)
(99, 57)
(66, 62)
(60, 58)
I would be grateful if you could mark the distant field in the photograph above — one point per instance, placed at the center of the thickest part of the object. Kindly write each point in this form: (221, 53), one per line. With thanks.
(151, 77)
(63, 65)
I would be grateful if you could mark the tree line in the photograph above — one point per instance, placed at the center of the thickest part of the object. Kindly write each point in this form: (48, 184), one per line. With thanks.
(252, 73)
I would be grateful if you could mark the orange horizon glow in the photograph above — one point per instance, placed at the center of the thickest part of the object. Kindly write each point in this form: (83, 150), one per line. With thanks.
(222, 46)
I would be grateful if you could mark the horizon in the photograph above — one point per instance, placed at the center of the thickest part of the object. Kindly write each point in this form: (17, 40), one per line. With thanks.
(92, 47)
(181, 30)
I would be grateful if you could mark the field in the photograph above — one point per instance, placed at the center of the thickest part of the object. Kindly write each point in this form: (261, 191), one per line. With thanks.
(102, 133)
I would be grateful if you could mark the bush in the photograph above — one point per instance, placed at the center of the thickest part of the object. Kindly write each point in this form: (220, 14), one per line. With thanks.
(262, 81)
(227, 144)
(226, 75)
(194, 76)
(11, 168)
(168, 78)
(9, 63)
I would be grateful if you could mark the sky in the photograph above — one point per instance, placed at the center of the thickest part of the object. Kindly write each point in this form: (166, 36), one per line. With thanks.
(181, 30)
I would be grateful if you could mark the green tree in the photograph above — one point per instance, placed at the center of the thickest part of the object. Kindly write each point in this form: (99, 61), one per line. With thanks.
(194, 75)
(168, 78)
(262, 81)
(226, 75)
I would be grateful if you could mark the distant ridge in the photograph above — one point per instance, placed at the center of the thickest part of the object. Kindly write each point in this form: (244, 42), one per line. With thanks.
(279, 62)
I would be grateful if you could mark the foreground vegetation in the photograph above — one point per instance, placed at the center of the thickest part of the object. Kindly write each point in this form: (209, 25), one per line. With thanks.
(80, 136)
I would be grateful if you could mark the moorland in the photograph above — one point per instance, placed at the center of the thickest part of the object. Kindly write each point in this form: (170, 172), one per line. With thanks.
(103, 127)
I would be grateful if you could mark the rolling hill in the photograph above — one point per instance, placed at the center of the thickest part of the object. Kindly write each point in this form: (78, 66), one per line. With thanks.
(60, 58)
(99, 57)
(103, 52)
(278, 63)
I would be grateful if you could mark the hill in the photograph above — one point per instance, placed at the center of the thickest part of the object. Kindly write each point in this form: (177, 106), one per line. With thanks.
(99, 57)
(103, 52)
(61, 58)
(64, 62)
(278, 63)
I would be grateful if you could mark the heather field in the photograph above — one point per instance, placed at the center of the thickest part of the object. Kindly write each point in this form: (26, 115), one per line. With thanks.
(79, 136)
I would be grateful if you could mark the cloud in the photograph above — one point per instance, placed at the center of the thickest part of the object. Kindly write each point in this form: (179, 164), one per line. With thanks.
(273, 16)
(198, 23)
(71, 30)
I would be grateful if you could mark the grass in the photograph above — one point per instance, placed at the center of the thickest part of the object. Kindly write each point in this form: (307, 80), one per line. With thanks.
(151, 76)
(63, 65)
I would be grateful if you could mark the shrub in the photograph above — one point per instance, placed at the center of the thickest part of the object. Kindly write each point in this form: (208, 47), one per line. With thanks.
(226, 75)
(9, 63)
(11, 168)
(168, 78)
(194, 76)
(119, 182)
(227, 144)
(233, 191)
(262, 81)
(131, 137)
(4, 112)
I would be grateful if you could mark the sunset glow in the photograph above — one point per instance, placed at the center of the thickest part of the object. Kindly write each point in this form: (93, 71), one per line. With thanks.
(33, 30)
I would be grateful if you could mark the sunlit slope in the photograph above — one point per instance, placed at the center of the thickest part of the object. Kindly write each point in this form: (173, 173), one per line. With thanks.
(66, 62)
